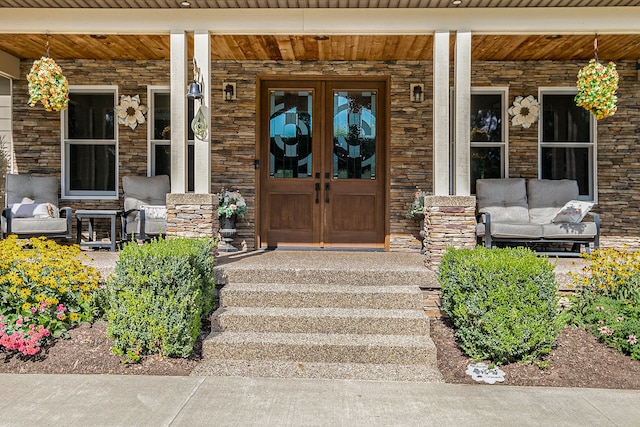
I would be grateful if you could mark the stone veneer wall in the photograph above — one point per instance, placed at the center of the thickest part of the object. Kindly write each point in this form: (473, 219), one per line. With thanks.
(449, 221)
(192, 215)
(37, 144)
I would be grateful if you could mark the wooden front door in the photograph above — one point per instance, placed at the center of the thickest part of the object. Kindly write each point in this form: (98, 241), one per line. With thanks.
(322, 163)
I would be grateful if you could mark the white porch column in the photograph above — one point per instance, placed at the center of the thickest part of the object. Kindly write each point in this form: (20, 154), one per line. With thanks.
(202, 149)
(441, 113)
(178, 112)
(462, 85)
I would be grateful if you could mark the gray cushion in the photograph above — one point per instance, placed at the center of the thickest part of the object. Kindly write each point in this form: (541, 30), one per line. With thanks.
(547, 196)
(512, 230)
(38, 225)
(32, 189)
(567, 230)
(505, 199)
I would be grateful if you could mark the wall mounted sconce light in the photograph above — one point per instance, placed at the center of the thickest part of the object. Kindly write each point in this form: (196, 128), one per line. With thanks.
(416, 92)
(228, 91)
(195, 88)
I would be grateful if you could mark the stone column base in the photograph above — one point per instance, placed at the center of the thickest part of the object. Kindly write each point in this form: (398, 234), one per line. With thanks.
(449, 221)
(191, 215)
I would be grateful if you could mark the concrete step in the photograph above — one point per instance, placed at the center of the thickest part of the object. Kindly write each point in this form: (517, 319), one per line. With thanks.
(320, 295)
(317, 267)
(321, 320)
(323, 348)
(349, 371)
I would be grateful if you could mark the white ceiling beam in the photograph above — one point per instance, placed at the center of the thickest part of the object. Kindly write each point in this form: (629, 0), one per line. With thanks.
(576, 20)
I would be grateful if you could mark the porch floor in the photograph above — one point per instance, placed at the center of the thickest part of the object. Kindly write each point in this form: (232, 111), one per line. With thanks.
(400, 268)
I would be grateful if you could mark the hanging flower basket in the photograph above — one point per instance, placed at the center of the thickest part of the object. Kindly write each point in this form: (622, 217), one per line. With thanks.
(47, 85)
(597, 85)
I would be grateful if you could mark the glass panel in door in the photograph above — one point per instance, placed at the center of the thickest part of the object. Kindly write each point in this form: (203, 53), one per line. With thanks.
(290, 134)
(354, 135)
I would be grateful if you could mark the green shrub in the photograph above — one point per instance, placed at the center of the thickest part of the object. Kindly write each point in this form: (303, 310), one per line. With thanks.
(608, 301)
(502, 302)
(158, 297)
(45, 290)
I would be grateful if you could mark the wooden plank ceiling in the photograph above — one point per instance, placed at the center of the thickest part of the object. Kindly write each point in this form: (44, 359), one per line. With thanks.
(320, 47)
(256, 4)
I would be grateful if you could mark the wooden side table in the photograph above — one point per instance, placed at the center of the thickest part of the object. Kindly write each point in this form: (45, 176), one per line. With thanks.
(91, 215)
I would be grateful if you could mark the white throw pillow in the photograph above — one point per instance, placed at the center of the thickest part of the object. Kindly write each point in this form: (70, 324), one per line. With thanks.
(32, 210)
(155, 212)
(573, 211)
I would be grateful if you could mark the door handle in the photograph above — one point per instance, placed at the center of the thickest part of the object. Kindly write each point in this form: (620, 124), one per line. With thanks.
(317, 193)
(326, 193)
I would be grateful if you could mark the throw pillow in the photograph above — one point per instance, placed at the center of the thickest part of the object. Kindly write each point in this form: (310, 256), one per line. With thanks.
(573, 211)
(32, 210)
(155, 212)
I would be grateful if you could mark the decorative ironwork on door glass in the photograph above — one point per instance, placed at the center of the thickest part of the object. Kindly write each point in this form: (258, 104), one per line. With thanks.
(290, 134)
(354, 135)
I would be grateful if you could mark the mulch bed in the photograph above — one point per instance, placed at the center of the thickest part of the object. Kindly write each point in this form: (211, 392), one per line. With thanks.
(578, 360)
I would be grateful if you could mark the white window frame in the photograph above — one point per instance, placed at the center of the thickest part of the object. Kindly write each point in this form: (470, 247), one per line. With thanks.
(504, 144)
(151, 141)
(592, 145)
(66, 193)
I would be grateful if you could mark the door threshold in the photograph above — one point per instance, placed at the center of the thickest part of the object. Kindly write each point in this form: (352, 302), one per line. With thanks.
(324, 248)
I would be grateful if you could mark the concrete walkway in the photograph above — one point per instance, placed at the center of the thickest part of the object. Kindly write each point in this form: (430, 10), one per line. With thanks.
(110, 400)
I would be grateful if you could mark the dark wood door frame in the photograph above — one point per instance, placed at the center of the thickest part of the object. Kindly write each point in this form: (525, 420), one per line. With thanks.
(383, 115)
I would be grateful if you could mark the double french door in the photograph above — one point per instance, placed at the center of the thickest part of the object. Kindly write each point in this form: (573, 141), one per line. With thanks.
(322, 162)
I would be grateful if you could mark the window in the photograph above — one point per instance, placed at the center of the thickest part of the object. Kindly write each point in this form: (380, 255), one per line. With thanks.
(567, 140)
(159, 160)
(488, 134)
(90, 149)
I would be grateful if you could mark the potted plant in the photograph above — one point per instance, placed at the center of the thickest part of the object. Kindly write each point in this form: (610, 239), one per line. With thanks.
(416, 210)
(417, 207)
(231, 204)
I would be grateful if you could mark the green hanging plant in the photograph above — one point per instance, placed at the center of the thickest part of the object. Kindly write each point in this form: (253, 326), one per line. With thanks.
(597, 85)
(47, 85)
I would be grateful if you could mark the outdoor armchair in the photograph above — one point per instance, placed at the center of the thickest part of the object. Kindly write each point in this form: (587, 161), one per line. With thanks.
(145, 200)
(32, 208)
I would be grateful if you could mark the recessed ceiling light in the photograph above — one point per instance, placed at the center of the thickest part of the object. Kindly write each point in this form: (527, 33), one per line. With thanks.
(456, 2)
(185, 3)
(98, 36)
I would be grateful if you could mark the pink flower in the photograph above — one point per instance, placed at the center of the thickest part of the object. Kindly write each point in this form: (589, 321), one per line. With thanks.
(233, 207)
(61, 308)
(605, 330)
(600, 308)
(632, 340)
(33, 310)
(619, 319)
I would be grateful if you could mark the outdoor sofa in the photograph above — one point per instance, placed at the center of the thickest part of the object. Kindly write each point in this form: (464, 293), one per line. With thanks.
(535, 212)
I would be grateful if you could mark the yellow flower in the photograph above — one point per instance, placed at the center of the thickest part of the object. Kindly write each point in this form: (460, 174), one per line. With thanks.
(24, 292)
(26, 306)
(40, 297)
(74, 317)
